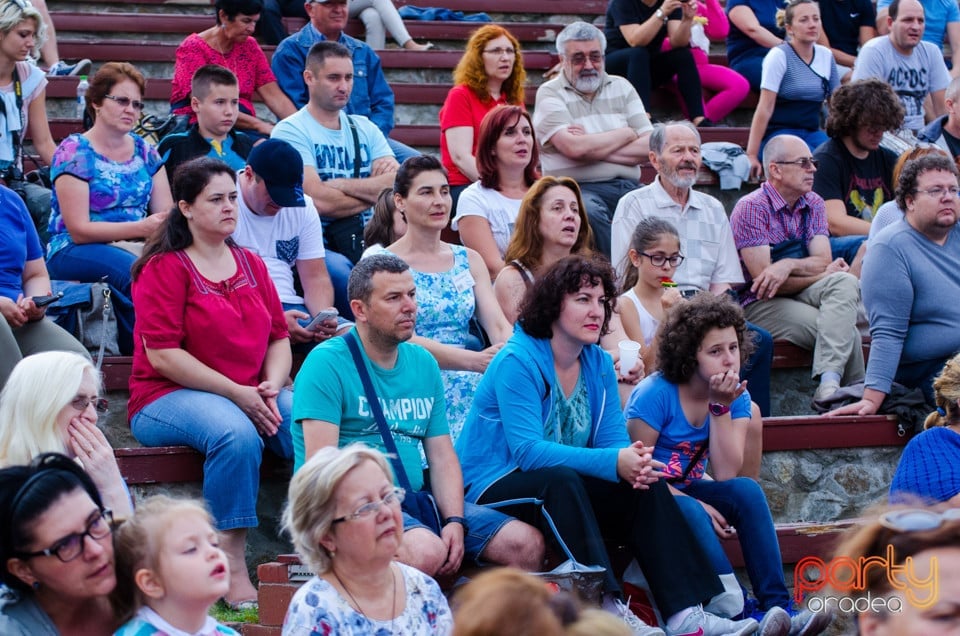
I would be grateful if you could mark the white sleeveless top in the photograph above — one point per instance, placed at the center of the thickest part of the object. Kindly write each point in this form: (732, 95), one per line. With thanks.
(648, 324)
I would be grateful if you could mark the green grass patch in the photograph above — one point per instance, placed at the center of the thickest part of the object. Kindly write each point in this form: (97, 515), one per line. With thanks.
(225, 615)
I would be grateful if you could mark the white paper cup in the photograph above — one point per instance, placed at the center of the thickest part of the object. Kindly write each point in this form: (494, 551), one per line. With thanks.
(629, 352)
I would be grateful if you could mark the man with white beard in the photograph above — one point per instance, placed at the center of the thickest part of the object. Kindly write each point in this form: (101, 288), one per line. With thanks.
(592, 127)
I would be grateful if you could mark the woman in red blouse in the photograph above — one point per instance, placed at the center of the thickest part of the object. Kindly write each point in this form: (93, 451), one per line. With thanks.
(212, 354)
(230, 43)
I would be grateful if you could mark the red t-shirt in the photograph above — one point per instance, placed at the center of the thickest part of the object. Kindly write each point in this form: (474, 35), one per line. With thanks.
(226, 325)
(462, 107)
(246, 60)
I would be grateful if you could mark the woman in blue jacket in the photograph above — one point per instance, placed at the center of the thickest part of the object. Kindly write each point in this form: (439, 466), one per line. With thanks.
(546, 437)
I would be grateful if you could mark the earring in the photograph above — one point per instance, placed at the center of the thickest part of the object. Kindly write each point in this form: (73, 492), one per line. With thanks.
(35, 585)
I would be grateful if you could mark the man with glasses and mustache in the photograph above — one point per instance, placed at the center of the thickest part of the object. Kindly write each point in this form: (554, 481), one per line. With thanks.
(592, 127)
(793, 289)
(909, 285)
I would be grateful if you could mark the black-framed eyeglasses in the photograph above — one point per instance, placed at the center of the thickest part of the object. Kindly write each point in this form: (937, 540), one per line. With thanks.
(500, 51)
(937, 192)
(81, 403)
(395, 496)
(917, 519)
(123, 102)
(806, 163)
(658, 260)
(579, 59)
(71, 546)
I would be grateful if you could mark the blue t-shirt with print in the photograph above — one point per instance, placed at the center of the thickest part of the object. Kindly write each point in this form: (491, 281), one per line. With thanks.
(657, 402)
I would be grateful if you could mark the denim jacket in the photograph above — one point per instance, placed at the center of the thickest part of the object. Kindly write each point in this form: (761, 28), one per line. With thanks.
(372, 97)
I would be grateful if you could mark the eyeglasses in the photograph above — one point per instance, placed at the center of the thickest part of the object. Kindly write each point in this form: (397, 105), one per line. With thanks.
(806, 163)
(917, 520)
(124, 102)
(71, 546)
(658, 260)
(937, 192)
(500, 52)
(82, 402)
(579, 59)
(395, 496)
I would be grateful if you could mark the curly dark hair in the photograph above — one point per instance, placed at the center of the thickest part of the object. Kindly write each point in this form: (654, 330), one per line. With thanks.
(867, 103)
(686, 325)
(543, 302)
(907, 184)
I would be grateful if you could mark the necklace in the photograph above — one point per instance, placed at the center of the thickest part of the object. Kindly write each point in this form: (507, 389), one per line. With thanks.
(393, 604)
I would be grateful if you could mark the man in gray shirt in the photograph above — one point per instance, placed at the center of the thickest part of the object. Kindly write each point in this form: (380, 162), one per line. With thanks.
(909, 284)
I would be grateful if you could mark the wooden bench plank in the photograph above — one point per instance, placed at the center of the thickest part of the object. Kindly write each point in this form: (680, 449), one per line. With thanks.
(807, 432)
(573, 7)
(181, 464)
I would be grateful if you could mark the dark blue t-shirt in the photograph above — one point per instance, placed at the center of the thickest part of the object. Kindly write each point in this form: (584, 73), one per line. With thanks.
(738, 43)
(842, 19)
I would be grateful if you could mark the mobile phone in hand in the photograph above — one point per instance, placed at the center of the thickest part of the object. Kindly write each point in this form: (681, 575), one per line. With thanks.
(311, 324)
(43, 301)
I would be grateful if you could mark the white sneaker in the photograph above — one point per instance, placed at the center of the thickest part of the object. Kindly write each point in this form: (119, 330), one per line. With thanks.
(622, 611)
(776, 622)
(825, 390)
(807, 623)
(700, 623)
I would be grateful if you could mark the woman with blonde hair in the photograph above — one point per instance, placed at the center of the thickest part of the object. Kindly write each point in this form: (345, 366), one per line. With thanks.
(929, 468)
(343, 514)
(51, 404)
(490, 73)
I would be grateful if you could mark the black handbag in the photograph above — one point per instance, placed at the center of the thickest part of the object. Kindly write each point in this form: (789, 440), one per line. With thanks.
(418, 504)
(345, 235)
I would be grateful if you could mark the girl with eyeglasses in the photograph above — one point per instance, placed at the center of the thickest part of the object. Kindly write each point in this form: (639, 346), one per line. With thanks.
(927, 538)
(110, 192)
(490, 73)
(654, 256)
(51, 403)
(798, 76)
(693, 409)
(56, 553)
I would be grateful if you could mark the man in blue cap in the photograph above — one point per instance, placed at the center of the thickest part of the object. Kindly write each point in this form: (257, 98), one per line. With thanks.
(282, 226)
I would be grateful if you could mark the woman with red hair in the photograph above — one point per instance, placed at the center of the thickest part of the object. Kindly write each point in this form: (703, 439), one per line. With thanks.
(508, 162)
(490, 73)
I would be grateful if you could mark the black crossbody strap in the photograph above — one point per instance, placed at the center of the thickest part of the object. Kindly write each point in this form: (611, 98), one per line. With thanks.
(356, 148)
(377, 411)
(693, 462)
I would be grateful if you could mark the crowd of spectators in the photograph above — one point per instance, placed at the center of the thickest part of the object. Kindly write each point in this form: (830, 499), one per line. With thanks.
(497, 361)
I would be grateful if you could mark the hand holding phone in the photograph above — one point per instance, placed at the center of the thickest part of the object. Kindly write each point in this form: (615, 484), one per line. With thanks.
(311, 324)
(43, 301)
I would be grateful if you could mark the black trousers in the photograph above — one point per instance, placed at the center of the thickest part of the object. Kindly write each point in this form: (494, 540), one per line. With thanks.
(647, 70)
(576, 513)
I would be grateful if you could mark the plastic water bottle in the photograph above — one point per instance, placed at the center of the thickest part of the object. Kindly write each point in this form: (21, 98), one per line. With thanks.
(82, 87)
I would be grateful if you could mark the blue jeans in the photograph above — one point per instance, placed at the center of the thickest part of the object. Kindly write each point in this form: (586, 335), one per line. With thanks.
(600, 198)
(339, 268)
(231, 445)
(89, 263)
(846, 247)
(742, 503)
(757, 370)
(483, 523)
(401, 150)
(813, 138)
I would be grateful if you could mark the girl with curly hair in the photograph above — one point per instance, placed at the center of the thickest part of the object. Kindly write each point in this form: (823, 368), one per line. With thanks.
(490, 73)
(694, 408)
(546, 439)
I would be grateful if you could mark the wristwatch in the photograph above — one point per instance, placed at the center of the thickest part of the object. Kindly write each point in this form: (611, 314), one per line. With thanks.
(660, 14)
(718, 409)
(460, 520)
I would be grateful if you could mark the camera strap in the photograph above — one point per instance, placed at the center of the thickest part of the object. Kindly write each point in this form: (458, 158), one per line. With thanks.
(18, 134)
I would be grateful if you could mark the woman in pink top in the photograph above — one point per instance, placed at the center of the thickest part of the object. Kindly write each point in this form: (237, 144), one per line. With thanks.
(728, 87)
(212, 354)
(229, 43)
(490, 73)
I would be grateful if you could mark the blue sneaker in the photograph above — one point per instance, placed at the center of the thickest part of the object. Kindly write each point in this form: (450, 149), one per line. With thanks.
(61, 68)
